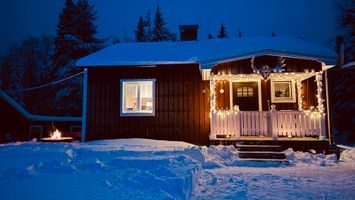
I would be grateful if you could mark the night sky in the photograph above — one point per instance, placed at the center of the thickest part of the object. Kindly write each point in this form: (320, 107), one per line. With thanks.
(314, 20)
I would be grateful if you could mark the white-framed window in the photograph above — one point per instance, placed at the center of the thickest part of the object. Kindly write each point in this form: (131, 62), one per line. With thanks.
(138, 97)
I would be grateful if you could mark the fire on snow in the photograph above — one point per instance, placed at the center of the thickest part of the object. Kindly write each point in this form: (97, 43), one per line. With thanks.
(56, 134)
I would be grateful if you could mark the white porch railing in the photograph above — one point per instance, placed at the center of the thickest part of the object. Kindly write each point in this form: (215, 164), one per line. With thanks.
(230, 124)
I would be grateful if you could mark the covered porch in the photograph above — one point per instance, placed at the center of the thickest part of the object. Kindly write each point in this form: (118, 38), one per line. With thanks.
(283, 105)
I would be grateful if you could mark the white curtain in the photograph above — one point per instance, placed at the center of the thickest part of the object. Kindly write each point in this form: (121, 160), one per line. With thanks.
(131, 90)
(146, 90)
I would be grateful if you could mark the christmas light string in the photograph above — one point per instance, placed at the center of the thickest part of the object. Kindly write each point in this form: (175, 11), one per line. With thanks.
(43, 85)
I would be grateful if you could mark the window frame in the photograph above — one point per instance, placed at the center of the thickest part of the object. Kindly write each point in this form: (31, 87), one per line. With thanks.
(136, 113)
(258, 81)
(292, 86)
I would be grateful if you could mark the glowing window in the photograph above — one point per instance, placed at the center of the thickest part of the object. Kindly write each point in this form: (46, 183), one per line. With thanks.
(245, 92)
(137, 97)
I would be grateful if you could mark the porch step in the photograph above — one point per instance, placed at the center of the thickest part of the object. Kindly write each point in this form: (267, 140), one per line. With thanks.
(261, 154)
(251, 147)
(257, 142)
(265, 160)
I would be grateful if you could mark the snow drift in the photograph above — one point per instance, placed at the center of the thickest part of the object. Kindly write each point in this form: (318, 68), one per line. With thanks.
(150, 169)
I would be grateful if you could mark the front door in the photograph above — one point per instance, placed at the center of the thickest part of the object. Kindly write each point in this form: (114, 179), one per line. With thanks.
(245, 94)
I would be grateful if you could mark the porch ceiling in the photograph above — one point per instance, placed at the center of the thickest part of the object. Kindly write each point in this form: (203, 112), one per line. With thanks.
(274, 76)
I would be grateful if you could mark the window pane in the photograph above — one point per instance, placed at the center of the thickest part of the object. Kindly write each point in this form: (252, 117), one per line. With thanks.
(146, 92)
(137, 97)
(250, 93)
(130, 96)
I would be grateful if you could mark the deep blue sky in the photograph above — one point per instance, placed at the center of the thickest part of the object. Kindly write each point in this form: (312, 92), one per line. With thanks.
(313, 20)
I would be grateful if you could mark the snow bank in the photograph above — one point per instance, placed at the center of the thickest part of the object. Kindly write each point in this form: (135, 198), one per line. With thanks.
(78, 171)
(135, 144)
(144, 169)
(306, 158)
(348, 154)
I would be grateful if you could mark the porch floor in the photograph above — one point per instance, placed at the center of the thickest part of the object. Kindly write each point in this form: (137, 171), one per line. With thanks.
(270, 138)
(296, 143)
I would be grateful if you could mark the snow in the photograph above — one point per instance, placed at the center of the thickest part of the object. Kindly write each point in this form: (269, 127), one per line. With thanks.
(155, 169)
(349, 65)
(207, 53)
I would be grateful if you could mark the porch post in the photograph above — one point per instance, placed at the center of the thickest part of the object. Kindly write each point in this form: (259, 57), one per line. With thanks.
(273, 122)
(84, 111)
(320, 106)
(299, 95)
(237, 122)
(212, 108)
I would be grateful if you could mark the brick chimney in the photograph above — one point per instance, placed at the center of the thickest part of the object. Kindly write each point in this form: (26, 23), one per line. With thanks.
(188, 32)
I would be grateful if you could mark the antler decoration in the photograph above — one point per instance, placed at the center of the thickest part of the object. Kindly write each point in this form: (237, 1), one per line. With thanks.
(265, 70)
(279, 66)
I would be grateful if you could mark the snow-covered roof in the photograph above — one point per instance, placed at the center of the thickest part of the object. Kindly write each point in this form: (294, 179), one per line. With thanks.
(207, 53)
(32, 117)
(348, 65)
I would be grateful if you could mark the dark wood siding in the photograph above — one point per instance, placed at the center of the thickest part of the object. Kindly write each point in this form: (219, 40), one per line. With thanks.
(12, 123)
(181, 104)
(222, 99)
(309, 91)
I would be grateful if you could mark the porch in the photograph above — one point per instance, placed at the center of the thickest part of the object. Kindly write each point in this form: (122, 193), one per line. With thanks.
(268, 125)
(281, 103)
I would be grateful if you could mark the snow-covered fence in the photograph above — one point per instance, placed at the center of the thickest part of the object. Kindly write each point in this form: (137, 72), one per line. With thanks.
(254, 123)
(233, 124)
(298, 124)
(225, 124)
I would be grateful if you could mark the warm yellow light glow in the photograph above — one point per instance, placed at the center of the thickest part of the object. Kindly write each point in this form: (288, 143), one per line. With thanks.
(56, 134)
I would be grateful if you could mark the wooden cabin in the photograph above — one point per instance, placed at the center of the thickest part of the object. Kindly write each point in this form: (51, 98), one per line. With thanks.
(17, 124)
(208, 92)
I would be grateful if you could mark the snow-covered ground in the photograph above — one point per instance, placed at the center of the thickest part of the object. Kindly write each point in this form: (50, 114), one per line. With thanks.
(151, 169)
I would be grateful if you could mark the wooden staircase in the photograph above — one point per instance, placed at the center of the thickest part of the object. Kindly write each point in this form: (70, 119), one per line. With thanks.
(258, 151)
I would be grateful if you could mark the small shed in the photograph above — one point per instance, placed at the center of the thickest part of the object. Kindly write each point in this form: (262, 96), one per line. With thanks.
(17, 124)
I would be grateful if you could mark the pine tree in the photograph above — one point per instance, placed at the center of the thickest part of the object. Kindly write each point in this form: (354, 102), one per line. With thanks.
(85, 29)
(160, 32)
(346, 22)
(148, 26)
(116, 40)
(65, 27)
(239, 33)
(140, 32)
(222, 32)
(16, 77)
(210, 36)
(76, 30)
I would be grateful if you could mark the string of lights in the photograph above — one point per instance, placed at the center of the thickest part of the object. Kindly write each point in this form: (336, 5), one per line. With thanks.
(43, 85)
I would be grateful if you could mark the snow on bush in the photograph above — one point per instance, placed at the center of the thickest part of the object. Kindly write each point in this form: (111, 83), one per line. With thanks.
(306, 158)
(348, 154)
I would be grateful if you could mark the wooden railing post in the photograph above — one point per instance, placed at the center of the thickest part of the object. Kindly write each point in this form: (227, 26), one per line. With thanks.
(237, 120)
(273, 123)
(322, 135)
(213, 125)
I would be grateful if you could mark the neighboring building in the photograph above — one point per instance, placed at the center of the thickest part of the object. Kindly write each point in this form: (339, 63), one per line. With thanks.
(208, 91)
(19, 125)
